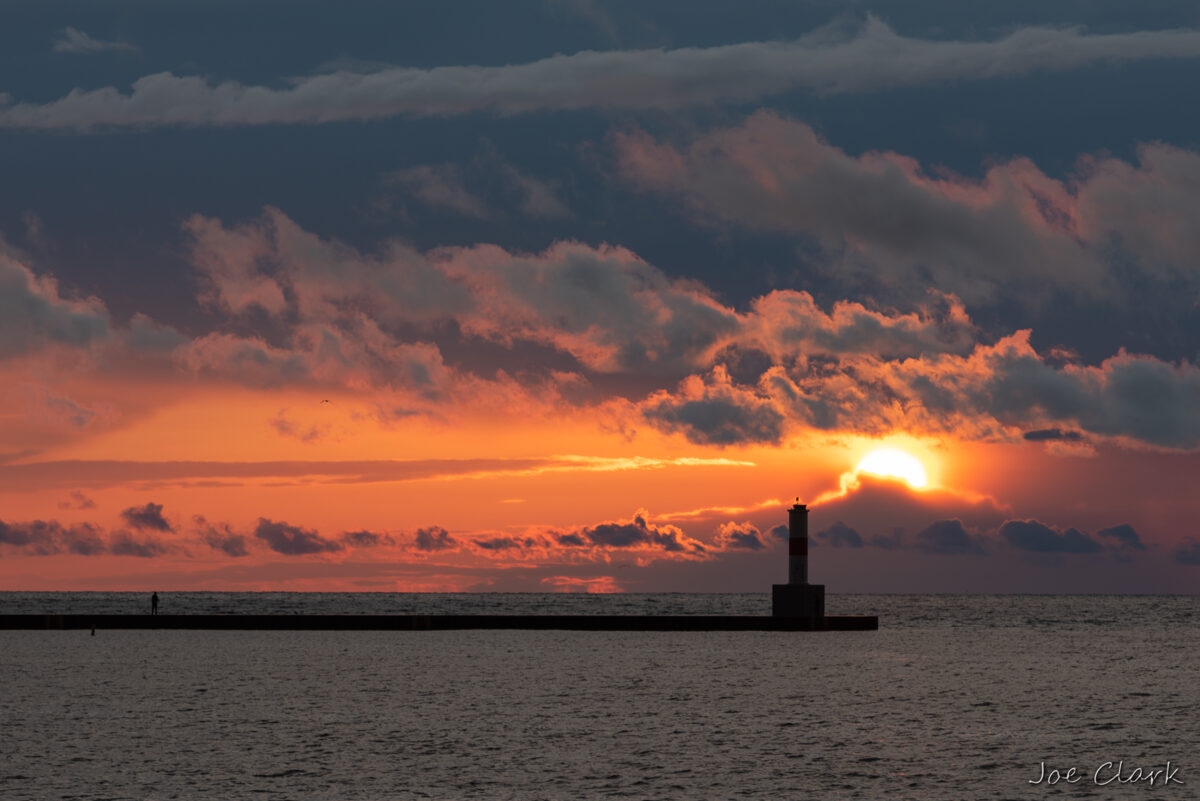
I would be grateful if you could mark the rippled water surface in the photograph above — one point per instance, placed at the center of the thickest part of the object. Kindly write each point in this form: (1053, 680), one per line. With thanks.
(953, 698)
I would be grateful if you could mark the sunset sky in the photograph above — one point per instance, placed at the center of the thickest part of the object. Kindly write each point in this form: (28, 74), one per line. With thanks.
(574, 295)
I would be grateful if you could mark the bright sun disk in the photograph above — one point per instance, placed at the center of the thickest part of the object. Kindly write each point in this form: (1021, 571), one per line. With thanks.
(894, 464)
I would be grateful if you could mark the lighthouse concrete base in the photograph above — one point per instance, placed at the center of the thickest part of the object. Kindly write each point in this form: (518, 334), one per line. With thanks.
(798, 600)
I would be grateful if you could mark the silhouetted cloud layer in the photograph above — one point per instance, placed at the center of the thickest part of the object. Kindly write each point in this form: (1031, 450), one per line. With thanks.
(947, 537)
(884, 515)
(1052, 435)
(433, 538)
(366, 539)
(1124, 535)
(638, 532)
(48, 537)
(739, 537)
(1188, 553)
(839, 535)
(123, 543)
(827, 61)
(221, 537)
(149, 517)
(293, 540)
(1031, 535)
(887, 514)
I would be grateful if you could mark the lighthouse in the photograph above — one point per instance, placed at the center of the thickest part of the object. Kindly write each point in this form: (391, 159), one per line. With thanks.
(798, 544)
(798, 598)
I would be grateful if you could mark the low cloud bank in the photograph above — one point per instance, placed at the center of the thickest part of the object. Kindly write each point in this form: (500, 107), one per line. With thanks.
(830, 60)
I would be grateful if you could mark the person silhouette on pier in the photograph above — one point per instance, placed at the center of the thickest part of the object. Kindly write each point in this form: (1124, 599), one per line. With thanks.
(154, 604)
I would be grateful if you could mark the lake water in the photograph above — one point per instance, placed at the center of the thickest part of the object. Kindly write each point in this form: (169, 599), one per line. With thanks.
(955, 697)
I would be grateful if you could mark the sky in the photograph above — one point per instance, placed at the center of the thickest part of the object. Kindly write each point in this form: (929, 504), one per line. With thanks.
(574, 295)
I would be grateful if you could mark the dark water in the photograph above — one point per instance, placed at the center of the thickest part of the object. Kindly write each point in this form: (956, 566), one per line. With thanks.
(955, 697)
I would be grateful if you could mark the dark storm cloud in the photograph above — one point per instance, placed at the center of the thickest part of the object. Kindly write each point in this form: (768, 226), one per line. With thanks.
(947, 537)
(149, 516)
(220, 537)
(1031, 535)
(433, 538)
(293, 540)
(825, 62)
(1053, 435)
(840, 535)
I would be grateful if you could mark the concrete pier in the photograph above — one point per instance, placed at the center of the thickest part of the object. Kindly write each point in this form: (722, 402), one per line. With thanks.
(443, 622)
(795, 606)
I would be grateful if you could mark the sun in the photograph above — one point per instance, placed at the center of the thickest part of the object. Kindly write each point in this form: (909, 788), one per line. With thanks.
(894, 464)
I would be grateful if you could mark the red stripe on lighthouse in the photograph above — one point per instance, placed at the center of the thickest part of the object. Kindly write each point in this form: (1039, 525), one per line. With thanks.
(798, 546)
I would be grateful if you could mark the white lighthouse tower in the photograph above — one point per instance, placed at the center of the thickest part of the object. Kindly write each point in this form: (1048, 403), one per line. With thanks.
(798, 598)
